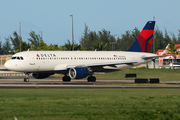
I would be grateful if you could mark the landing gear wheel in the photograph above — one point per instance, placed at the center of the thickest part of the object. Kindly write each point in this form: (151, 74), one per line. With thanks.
(26, 79)
(66, 79)
(91, 79)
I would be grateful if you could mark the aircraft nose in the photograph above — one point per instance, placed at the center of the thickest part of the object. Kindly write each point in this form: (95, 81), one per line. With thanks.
(7, 65)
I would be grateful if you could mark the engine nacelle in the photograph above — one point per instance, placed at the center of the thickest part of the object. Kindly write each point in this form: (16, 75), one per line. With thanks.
(41, 75)
(78, 73)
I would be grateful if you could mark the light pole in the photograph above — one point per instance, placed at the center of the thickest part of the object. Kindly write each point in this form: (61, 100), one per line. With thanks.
(154, 46)
(153, 40)
(114, 41)
(20, 34)
(112, 44)
(41, 34)
(72, 34)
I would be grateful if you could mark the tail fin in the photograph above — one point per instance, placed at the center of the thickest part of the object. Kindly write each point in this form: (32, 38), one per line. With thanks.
(144, 39)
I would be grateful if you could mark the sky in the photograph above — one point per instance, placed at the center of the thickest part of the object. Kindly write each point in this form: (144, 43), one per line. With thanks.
(52, 17)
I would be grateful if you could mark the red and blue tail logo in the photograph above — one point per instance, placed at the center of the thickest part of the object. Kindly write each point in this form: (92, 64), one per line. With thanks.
(144, 39)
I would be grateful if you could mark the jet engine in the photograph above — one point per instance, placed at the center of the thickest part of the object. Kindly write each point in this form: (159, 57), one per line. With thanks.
(41, 75)
(78, 73)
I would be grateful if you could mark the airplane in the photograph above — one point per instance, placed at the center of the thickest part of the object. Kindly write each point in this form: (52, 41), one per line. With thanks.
(82, 64)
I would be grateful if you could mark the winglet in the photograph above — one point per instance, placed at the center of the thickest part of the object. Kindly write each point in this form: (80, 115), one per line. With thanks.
(144, 39)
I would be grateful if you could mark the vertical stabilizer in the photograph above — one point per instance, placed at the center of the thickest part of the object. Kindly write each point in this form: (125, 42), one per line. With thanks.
(144, 39)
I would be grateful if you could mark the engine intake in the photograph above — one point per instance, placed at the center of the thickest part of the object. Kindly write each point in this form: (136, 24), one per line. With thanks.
(78, 73)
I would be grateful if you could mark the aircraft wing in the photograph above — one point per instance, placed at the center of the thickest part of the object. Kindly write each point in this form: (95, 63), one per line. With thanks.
(103, 64)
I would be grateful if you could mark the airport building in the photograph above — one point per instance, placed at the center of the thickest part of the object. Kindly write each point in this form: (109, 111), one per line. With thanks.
(166, 61)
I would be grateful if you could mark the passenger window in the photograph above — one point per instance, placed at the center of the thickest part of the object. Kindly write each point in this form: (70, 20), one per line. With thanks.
(18, 58)
(22, 58)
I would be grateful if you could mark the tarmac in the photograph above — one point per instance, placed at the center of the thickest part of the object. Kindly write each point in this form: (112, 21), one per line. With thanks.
(56, 82)
(10, 79)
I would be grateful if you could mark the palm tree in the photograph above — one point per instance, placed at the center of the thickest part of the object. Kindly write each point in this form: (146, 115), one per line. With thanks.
(34, 40)
(171, 50)
(68, 46)
(99, 46)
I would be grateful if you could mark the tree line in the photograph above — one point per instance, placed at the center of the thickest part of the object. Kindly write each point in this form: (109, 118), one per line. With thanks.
(91, 40)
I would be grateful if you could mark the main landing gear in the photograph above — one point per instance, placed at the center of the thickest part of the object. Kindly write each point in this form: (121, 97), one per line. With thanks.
(91, 79)
(26, 79)
(66, 78)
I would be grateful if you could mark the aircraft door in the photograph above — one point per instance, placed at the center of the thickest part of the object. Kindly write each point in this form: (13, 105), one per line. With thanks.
(32, 59)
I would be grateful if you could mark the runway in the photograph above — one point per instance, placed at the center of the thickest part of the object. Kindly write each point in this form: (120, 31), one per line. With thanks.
(56, 82)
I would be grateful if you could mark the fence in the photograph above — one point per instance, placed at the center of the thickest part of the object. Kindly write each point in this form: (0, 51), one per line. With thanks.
(4, 58)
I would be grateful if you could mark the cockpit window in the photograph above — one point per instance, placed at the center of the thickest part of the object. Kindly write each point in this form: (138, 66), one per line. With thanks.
(18, 58)
(13, 58)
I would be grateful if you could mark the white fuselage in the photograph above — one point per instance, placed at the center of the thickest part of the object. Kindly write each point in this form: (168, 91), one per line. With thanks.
(39, 61)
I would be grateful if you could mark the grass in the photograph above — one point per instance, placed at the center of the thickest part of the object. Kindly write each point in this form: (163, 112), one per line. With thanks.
(162, 74)
(89, 104)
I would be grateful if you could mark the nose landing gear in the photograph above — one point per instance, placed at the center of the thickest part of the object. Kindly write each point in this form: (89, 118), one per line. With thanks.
(26, 79)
